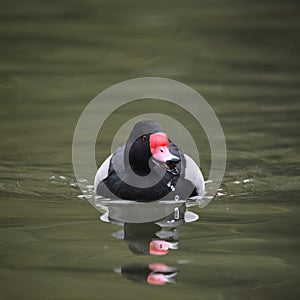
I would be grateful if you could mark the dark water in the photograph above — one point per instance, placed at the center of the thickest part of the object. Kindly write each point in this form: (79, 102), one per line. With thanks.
(242, 56)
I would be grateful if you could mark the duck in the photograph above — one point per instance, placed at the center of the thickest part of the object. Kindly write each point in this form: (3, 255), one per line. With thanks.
(149, 167)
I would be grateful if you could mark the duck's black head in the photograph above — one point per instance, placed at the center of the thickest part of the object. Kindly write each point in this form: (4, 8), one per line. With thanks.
(148, 145)
(139, 155)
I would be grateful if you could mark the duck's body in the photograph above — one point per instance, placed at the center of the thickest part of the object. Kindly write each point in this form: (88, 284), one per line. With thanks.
(149, 167)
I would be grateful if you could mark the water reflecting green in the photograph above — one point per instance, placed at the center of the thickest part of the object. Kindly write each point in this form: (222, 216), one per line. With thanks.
(242, 56)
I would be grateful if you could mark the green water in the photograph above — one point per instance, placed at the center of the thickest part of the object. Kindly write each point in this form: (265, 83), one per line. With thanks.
(242, 56)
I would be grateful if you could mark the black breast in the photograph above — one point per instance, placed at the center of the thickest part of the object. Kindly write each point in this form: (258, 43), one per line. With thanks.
(115, 188)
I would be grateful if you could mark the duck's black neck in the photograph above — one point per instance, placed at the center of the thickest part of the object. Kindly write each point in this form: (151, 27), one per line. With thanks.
(139, 165)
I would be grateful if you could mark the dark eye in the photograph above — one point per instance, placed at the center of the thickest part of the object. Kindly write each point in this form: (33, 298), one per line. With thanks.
(144, 138)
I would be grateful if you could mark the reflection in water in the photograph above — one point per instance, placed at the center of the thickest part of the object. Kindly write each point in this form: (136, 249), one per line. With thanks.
(155, 237)
(155, 273)
(148, 238)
